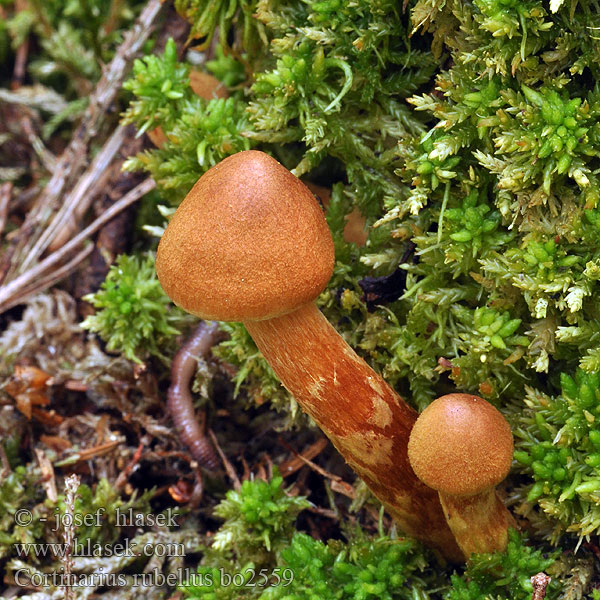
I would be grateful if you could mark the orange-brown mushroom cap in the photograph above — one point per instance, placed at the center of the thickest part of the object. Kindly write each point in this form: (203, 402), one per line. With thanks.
(248, 242)
(461, 445)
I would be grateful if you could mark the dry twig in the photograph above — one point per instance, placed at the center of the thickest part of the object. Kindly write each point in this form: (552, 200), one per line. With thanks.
(31, 282)
(237, 485)
(33, 240)
(6, 470)
(303, 458)
(66, 219)
(5, 196)
(126, 472)
(292, 465)
(71, 487)
(47, 158)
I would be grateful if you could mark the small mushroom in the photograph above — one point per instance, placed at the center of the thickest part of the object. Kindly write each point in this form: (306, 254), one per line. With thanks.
(462, 447)
(249, 243)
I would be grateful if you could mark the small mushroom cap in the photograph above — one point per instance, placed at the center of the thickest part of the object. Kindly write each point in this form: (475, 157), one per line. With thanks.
(248, 242)
(461, 445)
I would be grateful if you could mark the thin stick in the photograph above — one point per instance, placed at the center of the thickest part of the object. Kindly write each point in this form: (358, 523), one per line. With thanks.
(11, 293)
(70, 163)
(306, 460)
(5, 196)
(20, 64)
(237, 485)
(71, 486)
(5, 464)
(80, 198)
(126, 472)
(48, 159)
(39, 285)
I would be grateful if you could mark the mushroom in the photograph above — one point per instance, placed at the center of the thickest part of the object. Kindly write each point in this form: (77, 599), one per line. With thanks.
(462, 447)
(249, 243)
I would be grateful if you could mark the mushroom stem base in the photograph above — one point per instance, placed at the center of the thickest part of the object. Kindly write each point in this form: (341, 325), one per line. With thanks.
(479, 523)
(365, 419)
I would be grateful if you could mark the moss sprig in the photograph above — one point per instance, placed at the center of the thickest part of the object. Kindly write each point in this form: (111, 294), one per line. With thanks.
(207, 17)
(157, 83)
(259, 519)
(18, 491)
(504, 574)
(366, 568)
(558, 446)
(202, 134)
(135, 316)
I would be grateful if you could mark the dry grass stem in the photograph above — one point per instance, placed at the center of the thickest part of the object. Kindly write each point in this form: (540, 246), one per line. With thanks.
(64, 223)
(14, 292)
(5, 196)
(73, 159)
(71, 487)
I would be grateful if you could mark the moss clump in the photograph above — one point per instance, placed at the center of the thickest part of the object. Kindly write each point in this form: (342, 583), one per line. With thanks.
(135, 316)
(362, 569)
(259, 519)
(558, 447)
(18, 493)
(503, 575)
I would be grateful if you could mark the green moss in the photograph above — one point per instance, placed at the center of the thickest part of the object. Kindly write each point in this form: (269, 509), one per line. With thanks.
(259, 519)
(258, 523)
(157, 83)
(73, 39)
(503, 574)
(202, 133)
(363, 569)
(135, 316)
(98, 509)
(18, 495)
(207, 17)
(558, 448)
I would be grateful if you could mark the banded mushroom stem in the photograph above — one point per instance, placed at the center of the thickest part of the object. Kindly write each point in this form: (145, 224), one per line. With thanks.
(365, 419)
(480, 523)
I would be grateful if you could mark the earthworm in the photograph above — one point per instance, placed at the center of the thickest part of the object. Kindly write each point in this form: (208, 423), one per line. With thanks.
(179, 398)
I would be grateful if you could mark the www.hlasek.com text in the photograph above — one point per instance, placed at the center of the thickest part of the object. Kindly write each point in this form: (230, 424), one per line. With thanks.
(95, 549)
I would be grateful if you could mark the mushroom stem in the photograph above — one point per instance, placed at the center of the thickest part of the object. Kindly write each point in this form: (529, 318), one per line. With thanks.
(480, 523)
(365, 419)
